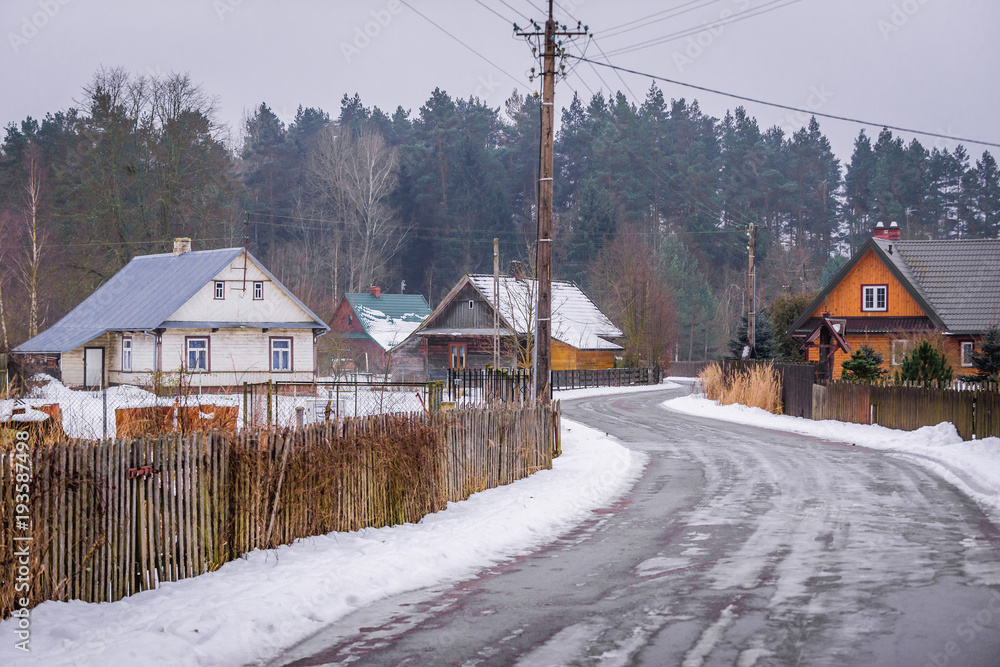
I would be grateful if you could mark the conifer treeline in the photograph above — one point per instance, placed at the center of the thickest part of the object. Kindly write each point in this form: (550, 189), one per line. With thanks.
(339, 202)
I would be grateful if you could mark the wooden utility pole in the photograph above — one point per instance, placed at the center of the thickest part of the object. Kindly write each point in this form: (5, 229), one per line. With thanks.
(496, 304)
(542, 362)
(752, 298)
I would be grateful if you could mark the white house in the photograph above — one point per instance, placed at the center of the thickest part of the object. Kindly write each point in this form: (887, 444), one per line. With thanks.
(218, 315)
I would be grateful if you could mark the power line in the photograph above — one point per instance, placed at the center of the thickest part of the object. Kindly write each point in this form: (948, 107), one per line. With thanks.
(680, 34)
(624, 27)
(786, 107)
(438, 26)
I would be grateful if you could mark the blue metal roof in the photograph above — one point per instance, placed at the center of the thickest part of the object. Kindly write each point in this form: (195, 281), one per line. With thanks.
(140, 297)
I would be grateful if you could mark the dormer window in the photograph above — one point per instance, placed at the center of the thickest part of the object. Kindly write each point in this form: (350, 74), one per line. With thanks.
(220, 289)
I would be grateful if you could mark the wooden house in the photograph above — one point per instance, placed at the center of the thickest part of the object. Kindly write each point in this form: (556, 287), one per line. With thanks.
(216, 317)
(893, 291)
(372, 323)
(460, 331)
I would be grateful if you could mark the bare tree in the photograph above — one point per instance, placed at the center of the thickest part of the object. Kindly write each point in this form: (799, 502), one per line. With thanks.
(355, 176)
(3, 315)
(633, 293)
(35, 237)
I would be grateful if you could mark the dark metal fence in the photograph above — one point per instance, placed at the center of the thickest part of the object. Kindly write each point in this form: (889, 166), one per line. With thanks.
(606, 377)
(490, 385)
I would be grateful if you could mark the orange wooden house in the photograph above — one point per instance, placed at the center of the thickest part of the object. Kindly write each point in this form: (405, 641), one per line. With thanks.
(893, 291)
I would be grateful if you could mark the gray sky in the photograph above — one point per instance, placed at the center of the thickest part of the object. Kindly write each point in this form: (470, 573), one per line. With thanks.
(925, 64)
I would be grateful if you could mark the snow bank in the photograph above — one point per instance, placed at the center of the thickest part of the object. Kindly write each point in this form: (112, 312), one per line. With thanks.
(972, 466)
(250, 609)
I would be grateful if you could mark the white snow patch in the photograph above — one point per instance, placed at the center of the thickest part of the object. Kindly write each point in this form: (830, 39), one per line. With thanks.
(973, 466)
(252, 608)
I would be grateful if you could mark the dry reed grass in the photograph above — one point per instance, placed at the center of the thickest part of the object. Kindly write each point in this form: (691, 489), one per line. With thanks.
(712, 383)
(757, 387)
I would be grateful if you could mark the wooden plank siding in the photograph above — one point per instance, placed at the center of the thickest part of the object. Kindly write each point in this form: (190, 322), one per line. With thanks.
(882, 343)
(845, 299)
(566, 358)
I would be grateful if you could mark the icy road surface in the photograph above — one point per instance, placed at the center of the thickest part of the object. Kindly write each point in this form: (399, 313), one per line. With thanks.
(738, 546)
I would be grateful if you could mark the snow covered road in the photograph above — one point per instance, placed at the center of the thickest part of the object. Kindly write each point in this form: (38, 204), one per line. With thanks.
(737, 546)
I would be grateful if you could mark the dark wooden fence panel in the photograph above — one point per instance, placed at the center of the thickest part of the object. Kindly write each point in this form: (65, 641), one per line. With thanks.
(975, 414)
(688, 369)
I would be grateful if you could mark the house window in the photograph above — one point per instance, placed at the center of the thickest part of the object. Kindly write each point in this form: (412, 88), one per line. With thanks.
(126, 353)
(197, 354)
(472, 304)
(350, 319)
(899, 351)
(458, 355)
(220, 289)
(967, 348)
(874, 297)
(258, 291)
(281, 354)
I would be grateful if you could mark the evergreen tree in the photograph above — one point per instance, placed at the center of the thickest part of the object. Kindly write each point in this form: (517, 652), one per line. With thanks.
(924, 365)
(986, 359)
(864, 365)
(764, 339)
(783, 312)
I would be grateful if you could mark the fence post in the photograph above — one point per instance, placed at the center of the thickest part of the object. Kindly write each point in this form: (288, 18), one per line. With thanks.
(105, 411)
(270, 385)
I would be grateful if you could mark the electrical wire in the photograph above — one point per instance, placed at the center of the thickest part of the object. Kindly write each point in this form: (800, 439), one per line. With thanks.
(766, 8)
(786, 107)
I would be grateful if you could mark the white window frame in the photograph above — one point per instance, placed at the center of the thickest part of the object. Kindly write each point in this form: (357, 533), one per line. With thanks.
(127, 353)
(258, 290)
(279, 367)
(204, 367)
(875, 291)
(220, 289)
(899, 349)
(967, 347)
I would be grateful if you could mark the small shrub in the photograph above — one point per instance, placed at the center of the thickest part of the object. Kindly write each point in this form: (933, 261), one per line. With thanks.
(925, 366)
(865, 366)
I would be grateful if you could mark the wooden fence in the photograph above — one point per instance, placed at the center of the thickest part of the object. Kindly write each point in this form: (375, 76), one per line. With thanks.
(975, 413)
(107, 519)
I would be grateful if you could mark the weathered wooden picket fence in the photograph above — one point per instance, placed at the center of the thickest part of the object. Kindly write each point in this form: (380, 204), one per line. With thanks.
(107, 519)
(975, 413)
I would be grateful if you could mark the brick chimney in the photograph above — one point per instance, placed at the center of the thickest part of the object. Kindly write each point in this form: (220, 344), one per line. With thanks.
(375, 291)
(890, 233)
(181, 246)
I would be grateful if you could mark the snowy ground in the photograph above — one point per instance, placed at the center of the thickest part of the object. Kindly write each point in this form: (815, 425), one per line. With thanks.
(251, 608)
(974, 466)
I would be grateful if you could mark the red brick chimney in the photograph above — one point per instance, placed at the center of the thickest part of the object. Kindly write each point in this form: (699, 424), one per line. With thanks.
(890, 233)
(375, 291)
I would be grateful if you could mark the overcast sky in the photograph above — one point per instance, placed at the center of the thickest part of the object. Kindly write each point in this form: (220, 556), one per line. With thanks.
(925, 64)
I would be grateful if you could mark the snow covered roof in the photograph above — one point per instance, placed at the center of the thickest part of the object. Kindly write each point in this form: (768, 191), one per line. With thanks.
(576, 320)
(140, 297)
(389, 318)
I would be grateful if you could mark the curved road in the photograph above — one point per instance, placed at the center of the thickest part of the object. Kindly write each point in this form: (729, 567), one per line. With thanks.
(737, 546)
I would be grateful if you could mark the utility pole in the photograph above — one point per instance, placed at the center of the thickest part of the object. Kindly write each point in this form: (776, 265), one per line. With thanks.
(496, 304)
(542, 362)
(752, 298)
